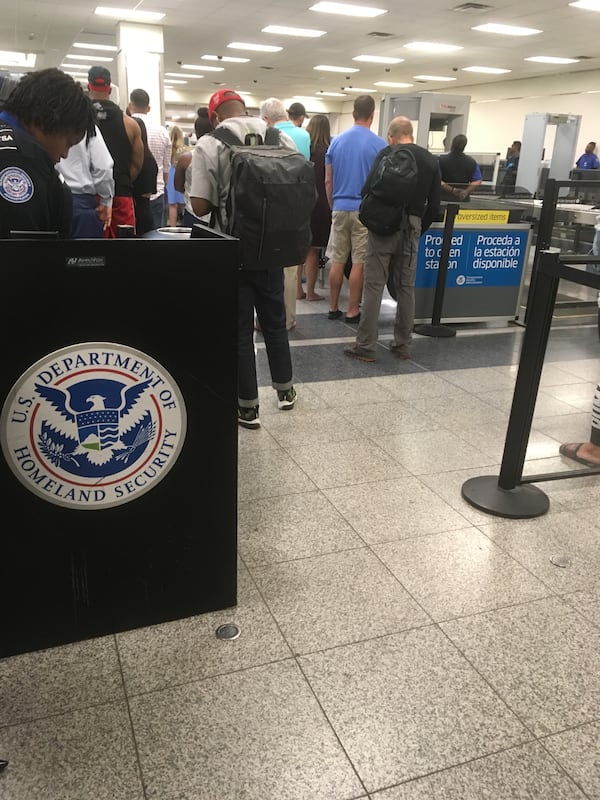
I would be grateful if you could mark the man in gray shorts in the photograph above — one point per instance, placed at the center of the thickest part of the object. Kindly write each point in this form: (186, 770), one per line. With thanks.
(347, 164)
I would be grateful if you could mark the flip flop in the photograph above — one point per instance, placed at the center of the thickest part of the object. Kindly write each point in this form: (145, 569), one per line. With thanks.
(570, 451)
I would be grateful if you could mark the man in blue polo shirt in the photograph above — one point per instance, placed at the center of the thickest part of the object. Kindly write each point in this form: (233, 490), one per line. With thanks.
(588, 159)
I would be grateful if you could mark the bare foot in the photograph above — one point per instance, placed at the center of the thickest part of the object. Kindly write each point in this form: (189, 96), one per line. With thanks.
(585, 453)
(301, 296)
(315, 297)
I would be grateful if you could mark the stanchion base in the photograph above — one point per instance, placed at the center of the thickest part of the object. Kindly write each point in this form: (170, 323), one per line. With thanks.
(428, 329)
(522, 502)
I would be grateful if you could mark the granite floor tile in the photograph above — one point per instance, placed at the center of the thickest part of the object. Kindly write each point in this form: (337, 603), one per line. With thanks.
(335, 599)
(579, 395)
(522, 773)
(553, 374)
(567, 427)
(460, 408)
(535, 543)
(586, 369)
(577, 752)
(574, 493)
(293, 429)
(83, 754)
(545, 404)
(269, 473)
(481, 379)
(459, 572)
(66, 678)
(587, 603)
(428, 452)
(257, 734)
(396, 509)
(388, 419)
(296, 526)
(541, 657)
(251, 441)
(408, 704)
(187, 649)
(307, 399)
(351, 393)
(416, 385)
(355, 461)
(490, 438)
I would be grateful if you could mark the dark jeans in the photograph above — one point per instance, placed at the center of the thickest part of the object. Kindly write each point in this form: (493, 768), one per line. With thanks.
(157, 206)
(262, 290)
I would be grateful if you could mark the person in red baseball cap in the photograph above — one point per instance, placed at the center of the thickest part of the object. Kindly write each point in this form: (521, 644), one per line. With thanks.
(257, 288)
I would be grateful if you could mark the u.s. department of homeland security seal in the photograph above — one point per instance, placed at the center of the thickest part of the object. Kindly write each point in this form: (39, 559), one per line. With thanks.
(15, 185)
(93, 425)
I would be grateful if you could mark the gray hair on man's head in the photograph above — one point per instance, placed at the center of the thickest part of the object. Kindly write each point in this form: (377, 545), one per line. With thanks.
(272, 110)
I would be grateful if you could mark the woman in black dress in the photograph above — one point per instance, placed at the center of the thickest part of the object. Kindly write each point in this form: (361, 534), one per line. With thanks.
(320, 222)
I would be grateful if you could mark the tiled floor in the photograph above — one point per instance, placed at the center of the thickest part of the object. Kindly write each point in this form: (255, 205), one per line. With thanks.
(396, 643)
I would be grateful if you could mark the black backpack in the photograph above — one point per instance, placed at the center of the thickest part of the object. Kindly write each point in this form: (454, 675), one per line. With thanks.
(271, 196)
(388, 189)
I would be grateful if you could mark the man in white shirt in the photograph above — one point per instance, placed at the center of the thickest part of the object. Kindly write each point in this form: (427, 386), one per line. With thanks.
(88, 172)
(159, 143)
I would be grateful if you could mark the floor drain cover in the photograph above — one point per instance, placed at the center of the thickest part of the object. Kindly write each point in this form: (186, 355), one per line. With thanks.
(228, 631)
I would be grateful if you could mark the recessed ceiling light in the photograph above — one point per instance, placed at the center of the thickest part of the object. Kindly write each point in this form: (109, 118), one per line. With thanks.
(588, 5)
(328, 68)
(552, 60)
(130, 14)
(358, 89)
(11, 58)
(261, 48)
(393, 84)
(106, 47)
(181, 75)
(203, 67)
(486, 70)
(378, 59)
(232, 59)
(348, 10)
(286, 31)
(433, 47)
(96, 58)
(506, 30)
(432, 78)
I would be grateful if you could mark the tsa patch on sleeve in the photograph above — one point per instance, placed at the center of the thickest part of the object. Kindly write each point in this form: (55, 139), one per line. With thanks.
(15, 185)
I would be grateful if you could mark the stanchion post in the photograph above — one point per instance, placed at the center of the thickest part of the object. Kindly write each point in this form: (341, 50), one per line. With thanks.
(504, 496)
(544, 235)
(435, 328)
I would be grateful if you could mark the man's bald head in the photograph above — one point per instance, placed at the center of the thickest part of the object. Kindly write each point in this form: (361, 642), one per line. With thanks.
(400, 130)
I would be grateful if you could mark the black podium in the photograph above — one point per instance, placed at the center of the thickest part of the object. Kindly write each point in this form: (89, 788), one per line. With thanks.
(118, 473)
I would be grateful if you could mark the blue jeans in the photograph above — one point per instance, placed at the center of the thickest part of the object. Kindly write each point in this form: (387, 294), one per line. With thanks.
(157, 206)
(262, 290)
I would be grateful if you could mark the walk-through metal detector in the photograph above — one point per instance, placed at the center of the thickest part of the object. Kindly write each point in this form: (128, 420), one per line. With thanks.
(532, 148)
(430, 112)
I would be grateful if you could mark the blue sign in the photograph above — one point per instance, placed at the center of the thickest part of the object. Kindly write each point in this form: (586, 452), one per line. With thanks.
(478, 257)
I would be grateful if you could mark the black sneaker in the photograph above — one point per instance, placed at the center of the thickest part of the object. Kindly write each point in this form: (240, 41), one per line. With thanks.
(248, 417)
(286, 399)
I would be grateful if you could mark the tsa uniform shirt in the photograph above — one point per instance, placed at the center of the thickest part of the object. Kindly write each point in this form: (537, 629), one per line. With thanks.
(33, 196)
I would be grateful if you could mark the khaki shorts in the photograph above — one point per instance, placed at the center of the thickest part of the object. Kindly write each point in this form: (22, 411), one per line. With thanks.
(348, 234)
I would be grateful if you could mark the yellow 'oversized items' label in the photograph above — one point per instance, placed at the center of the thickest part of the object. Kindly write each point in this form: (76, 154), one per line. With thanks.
(477, 216)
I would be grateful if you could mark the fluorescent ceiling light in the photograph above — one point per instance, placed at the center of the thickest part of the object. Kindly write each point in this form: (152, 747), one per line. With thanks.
(358, 89)
(96, 58)
(203, 67)
(181, 75)
(378, 59)
(332, 94)
(232, 59)
(506, 30)
(129, 13)
(432, 47)
(432, 78)
(348, 10)
(75, 66)
(171, 80)
(261, 48)
(286, 31)
(588, 5)
(87, 46)
(552, 60)
(393, 84)
(75, 74)
(328, 68)
(486, 70)
(11, 58)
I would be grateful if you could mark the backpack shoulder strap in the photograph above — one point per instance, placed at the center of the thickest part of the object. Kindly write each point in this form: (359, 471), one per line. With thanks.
(272, 135)
(227, 136)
